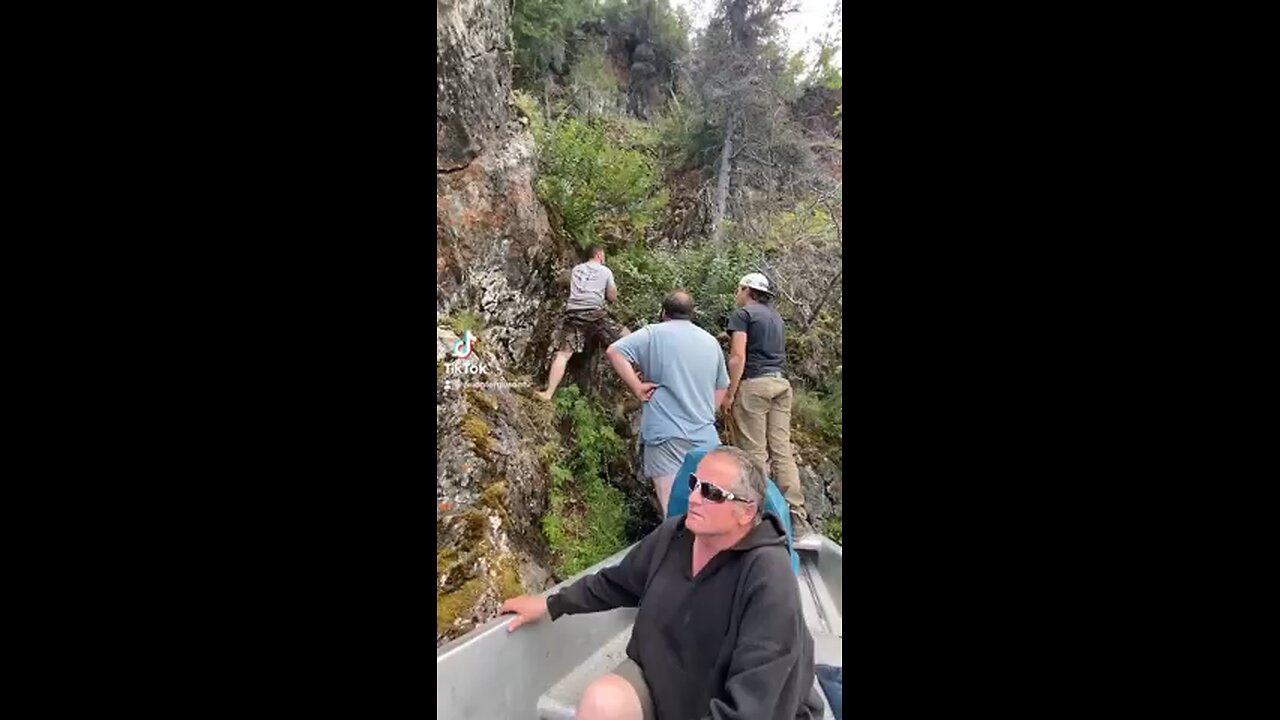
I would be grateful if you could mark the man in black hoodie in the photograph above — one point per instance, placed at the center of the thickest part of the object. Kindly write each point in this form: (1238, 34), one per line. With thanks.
(719, 634)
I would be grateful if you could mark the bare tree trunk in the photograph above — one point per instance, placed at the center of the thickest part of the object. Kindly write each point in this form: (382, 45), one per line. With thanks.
(722, 185)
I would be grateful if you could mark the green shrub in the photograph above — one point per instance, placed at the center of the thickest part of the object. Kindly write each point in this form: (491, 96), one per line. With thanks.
(587, 520)
(540, 30)
(818, 411)
(466, 320)
(597, 174)
(833, 530)
(528, 105)
(711, 276)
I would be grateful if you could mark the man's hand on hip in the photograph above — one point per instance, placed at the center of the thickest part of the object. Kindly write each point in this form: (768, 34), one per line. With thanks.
(644, 390)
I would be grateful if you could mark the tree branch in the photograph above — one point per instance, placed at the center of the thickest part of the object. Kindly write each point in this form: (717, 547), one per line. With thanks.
(823, 299)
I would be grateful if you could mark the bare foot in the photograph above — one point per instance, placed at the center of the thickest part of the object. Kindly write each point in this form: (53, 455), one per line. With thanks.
(543, 395)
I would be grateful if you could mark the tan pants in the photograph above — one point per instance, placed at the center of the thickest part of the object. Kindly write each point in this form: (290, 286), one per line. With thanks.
(762, 428)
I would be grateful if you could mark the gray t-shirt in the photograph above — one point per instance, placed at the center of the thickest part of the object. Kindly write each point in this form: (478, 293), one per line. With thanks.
(688, 365)
(587, 284)
(766, 345)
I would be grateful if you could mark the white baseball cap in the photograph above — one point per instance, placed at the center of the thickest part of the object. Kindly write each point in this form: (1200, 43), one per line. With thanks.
(756, 281)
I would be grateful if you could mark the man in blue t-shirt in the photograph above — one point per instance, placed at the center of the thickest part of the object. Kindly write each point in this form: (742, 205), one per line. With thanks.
(686, 381)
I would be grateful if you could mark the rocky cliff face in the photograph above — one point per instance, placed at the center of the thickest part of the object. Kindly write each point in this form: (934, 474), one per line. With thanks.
(496, 262)
(494, 249)
(494, 256)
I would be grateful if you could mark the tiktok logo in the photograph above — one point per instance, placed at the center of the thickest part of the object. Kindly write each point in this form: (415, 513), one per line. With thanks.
(462, 348)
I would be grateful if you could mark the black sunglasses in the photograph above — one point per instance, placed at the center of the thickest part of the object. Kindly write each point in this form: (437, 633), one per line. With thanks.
(713, 493)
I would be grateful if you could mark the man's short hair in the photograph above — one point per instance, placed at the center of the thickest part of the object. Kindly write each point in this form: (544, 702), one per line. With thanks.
(592, 249)
(750, 476)
(761, 297)
(678, 306)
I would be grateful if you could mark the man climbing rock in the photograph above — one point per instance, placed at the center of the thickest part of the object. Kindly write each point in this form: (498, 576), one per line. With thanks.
(759, 395)
(585, 319)
(687, 379)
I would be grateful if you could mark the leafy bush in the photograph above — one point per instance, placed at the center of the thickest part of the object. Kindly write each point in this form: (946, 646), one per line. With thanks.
(588, 516)
(687, 139)
(819, 411)
(528, 105)
(594, 441)
(833, 530)
(596, 175)
(711, 276)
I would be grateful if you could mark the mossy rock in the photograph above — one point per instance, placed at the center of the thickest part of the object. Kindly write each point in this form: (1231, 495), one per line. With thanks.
(508, 582)
(451, 606)
(466, 320)
(478, 432)
(481, 399)
(471, 599)
(495, 495)
(476, 523)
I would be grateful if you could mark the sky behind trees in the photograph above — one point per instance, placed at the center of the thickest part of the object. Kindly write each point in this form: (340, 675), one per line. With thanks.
(804, 27)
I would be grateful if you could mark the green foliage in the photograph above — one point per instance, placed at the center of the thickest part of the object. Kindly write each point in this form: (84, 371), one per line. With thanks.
(560, 40)
(541, 29)
(805, 225)
(711, 276)
(795, 67)
(825, 73)
(588, 516)
(819, 411)
(685, 138)
(814, 358)
(599, 175)
(781, 69)
(655, 23)
(592, 86)
(595, 443)
(529, 107)
(466, 320)
(833, 530)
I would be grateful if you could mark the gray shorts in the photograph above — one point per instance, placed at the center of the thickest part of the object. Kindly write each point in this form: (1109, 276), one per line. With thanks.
(666, 457)
(628, 670)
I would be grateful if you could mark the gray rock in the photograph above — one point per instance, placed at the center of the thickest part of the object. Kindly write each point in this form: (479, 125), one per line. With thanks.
(816, 503)
(473, 78)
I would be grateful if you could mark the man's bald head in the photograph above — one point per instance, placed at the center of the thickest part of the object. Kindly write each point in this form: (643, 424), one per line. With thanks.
(678, 306)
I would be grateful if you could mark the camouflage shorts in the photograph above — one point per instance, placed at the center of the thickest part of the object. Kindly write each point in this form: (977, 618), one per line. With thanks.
(579, 328)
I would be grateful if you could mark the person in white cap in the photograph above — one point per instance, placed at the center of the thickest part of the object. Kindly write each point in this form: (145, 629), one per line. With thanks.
(759, 396)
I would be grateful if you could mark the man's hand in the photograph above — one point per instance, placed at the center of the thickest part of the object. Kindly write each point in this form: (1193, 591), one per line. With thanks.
(727, 404)
(644, 390)
(528, 608)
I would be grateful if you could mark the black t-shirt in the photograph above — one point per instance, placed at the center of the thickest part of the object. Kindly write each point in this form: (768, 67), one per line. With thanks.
(766, 346)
